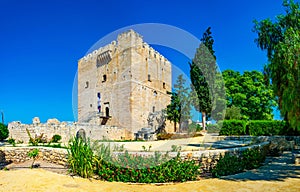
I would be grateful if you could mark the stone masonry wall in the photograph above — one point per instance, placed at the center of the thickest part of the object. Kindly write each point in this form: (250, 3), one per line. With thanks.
(20, 154)
(66, 130)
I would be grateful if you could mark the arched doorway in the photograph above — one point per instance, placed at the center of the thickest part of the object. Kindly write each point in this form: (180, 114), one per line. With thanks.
(81, 134)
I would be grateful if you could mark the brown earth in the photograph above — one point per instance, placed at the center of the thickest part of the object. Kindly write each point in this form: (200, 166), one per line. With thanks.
(279, 174)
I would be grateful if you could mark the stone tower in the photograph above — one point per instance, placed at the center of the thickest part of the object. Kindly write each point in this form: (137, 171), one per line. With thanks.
(121, 83)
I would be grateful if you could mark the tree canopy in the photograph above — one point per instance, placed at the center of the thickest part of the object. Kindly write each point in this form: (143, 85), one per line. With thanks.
(250, 94)
(281, 40)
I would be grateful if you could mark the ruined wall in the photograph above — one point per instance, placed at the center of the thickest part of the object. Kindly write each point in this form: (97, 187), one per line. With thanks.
(66, 130)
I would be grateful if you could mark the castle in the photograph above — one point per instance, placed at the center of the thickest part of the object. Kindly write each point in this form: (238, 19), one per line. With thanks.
(120, 86)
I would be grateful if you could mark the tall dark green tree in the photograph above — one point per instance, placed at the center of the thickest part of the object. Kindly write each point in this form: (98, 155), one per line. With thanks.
(202, 72)
(281, 40)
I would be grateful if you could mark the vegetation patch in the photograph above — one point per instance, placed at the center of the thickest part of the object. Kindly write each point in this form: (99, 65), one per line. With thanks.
(87, 160)
(231, 164)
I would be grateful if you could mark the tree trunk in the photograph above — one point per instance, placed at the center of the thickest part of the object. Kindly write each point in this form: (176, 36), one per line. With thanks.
(204, 120)
(175, 126)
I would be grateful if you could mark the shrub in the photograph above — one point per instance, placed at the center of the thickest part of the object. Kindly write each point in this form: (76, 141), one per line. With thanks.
(12, 141)
(228, 165)
(249, 159)
(3, 131)
(233, 127)
(56, 138)
(253, 158)
(194, 127)
(33, 154)
(174, 170)
(35, 140)
(266, 127)
(80, 157)
(213, 128)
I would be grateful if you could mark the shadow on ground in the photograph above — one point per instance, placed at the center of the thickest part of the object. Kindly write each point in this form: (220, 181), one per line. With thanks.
(275, 169)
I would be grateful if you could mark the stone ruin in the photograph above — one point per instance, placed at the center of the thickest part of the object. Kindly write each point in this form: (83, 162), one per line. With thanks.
(156, 124)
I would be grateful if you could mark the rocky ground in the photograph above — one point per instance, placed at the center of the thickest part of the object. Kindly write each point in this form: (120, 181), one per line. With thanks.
(278, 174)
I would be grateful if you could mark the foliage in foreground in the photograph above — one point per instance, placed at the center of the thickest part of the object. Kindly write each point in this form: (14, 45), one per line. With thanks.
(3, 131)
(230, 164)
(127, 167)
(80, 157)
(174, 170)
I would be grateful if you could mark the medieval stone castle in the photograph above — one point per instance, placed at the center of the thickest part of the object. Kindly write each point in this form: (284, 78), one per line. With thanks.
(120, 86)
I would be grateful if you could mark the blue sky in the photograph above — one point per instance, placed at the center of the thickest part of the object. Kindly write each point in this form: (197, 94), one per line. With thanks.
(41, 42)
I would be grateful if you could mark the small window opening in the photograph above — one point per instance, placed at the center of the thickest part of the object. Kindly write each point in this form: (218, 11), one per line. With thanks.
(149, 77)
(153, 109)
(104, 78)
(164, 85)
(86, 85)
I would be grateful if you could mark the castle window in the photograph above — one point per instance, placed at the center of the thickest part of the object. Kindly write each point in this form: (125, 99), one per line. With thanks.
(155, 93)
(164, 85)
(153, 109)
(91, 105)
(104, 78)
(149, 77)
(86, 85)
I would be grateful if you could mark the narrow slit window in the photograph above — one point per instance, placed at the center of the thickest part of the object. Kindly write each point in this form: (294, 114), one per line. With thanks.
(164, 85)
(149, 77)
(86, 85)
(104, 78)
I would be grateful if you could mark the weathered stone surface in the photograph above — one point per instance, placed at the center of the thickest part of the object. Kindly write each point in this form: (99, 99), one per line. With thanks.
(36, 121)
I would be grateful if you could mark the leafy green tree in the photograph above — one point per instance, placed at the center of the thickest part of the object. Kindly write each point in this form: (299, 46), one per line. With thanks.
(173, 110)
(3, 131)
(183, 93)
(179, 109)
(202, 72)
(250, 94)
(233, 112)
(281, 40)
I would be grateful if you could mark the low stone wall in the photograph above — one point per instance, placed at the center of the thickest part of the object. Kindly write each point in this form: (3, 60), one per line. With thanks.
(20, 154)
(208, 159)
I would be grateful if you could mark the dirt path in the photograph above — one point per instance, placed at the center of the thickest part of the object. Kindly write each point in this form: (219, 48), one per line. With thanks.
(278, 175)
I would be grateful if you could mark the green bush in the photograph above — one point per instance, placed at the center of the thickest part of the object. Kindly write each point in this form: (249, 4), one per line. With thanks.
(174, 170)
(80, 157)
(33, 154)
(249, 159)
(12, 141)
(194, 127)
(253, 158)
(266, 127)
(3, 132)
(228, 165)
(233, 127)
(213, 128)
(56, 138)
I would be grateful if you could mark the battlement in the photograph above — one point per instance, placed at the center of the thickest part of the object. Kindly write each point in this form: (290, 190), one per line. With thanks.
(125, 40)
